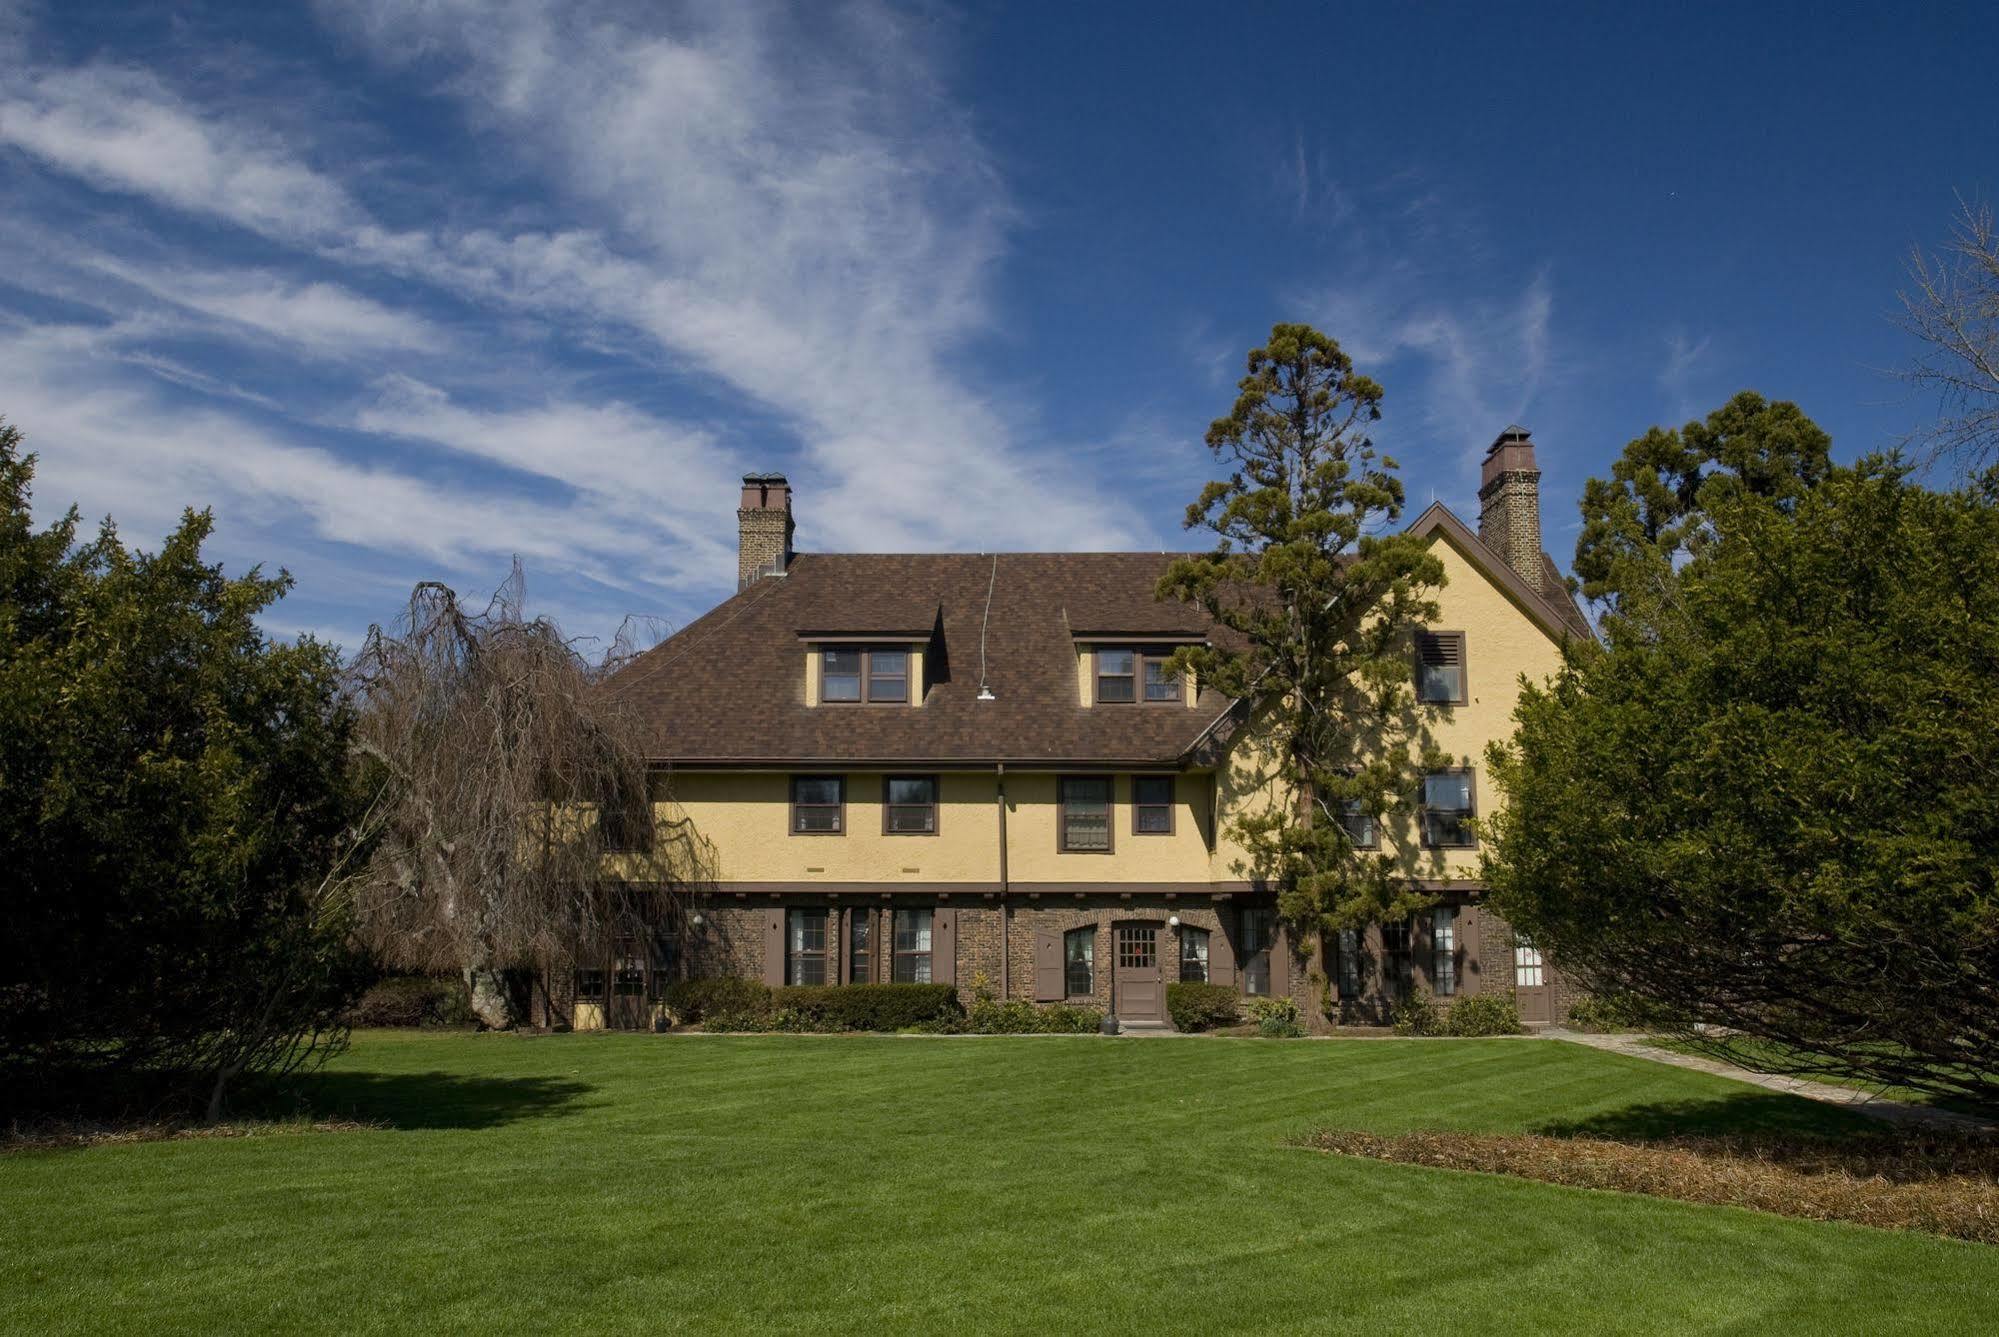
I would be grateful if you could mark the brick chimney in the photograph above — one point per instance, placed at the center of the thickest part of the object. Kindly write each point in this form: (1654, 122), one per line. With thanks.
(763, 529)
(1509, 497)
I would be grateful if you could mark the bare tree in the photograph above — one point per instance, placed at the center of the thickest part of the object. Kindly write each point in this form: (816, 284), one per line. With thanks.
(1952, 307)
(520, 825)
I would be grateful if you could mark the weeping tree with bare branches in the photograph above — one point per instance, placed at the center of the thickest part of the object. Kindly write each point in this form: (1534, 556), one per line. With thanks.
(519, 827)
(1952, 307)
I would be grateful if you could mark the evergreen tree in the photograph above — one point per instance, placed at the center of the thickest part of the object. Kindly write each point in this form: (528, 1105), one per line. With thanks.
(1318, 593)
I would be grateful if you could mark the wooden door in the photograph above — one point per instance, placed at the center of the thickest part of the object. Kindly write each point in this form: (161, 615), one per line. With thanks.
(1531, 992)
(1140, 994)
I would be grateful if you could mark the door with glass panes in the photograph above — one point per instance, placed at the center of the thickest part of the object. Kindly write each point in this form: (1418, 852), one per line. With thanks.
(1140, 994)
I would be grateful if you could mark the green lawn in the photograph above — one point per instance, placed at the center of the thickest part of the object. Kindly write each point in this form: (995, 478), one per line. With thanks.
(639, 1183)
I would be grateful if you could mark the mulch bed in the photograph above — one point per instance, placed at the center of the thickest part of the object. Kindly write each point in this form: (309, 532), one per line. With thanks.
(1939, 1183)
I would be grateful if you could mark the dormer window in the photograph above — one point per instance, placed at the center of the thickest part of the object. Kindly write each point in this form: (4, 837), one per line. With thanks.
(1129, 675)
(877, 674)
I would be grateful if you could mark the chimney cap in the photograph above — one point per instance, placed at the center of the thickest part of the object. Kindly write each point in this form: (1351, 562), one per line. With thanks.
(1512, 435)
(765, 478)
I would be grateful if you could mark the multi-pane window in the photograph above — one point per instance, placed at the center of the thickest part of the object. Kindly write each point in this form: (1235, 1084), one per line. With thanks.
(1259, 931)
(912, 946)
(589, 986)
(1440, 667)
(1152, 805)
(818, 805)
(850, 673)
(1447, 809)
(805, 947)
(910, 805)
(1193, 955)
(1128, 675)
(1349, 963)
(1444, 950)
(1086, 813)
(860, 947)
(1079, 962)
(1117, 675)
(1526, 965)
(1358, 823)
(1395, 962)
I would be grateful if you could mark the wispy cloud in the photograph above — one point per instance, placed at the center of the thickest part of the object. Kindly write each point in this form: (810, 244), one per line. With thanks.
(1686, 362)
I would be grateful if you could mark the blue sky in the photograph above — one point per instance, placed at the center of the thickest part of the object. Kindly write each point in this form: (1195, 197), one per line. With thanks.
(404, 290)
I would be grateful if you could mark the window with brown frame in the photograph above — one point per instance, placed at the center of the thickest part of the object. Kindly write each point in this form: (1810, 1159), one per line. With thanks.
(1259, 935)
(1193, 955)
(1397, 968)
(912, 946)
(1126, 675)
(909, 805)
(1440, 668)
(1349, 963)
(878, 675)
(818, 805)
(1358, 823)
(860, 947)
(590, 986)
(805, 947)
(1444, 950)
(1152, 805)
(1085, 818)
(1079, 961)
(1448, 807)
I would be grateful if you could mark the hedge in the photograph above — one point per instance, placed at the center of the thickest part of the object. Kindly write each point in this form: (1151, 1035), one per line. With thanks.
(1483, 1014)
(413, 1000)
(1017, 1016)
(862, 1007)
(722, 996)
(1200, 1007)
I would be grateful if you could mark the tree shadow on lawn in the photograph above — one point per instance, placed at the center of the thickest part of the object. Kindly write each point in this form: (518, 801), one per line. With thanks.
(417, 1100)
(1748, 1114)
(1787, 1131)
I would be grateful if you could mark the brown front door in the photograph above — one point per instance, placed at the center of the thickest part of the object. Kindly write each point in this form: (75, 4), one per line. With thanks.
(1140, 995)
(1531, 993)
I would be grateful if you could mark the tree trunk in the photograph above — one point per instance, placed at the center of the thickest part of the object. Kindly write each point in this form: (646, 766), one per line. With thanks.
(489, 999)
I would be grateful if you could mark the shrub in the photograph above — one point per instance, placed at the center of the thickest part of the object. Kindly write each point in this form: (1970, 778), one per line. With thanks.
(1483, 1014)
(1275, 1018)
(702, 1000)
(1597, 1012)
(863, 1007)
(413, 1000)
(1415, 1014)
(1017, 1016)
(1199, 1007)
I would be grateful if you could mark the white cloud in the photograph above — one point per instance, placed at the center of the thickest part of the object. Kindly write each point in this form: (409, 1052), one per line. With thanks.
(318, 316)
(1686, 359)
(800, 215)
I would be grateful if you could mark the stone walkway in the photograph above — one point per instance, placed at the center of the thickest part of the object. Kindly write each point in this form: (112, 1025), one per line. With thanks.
(1898, 1112)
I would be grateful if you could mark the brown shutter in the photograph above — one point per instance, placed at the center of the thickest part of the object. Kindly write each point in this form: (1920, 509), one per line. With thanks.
(1047, 966)
(836, 945)
(1221, 952)
(1280, 962)
(944, 947)
(1422, 956)
(774, 947)
(1470, 967)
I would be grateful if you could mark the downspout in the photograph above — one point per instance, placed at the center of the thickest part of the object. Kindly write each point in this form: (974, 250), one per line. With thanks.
(1006, 915)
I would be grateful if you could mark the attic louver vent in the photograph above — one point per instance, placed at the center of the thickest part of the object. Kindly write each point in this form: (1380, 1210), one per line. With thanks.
(1440, 667)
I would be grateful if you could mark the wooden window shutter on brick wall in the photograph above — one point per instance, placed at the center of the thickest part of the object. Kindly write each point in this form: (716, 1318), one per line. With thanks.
(774, 947)
(944, 947)
(1221, 953)
(1047, 966)
(1280, 962)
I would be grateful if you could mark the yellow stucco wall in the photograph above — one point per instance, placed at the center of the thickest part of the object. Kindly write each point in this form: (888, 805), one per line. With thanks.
(745, 818)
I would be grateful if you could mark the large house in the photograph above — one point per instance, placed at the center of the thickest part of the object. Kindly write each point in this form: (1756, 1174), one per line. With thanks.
(968, 766)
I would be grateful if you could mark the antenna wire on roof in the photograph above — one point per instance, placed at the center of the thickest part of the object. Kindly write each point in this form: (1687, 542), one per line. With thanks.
(985, 692)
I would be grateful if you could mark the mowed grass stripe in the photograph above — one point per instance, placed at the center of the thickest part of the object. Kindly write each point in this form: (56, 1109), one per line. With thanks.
(806, 1184)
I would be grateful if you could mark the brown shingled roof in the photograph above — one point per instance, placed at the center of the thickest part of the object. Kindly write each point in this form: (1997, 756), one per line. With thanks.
(730, 687)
